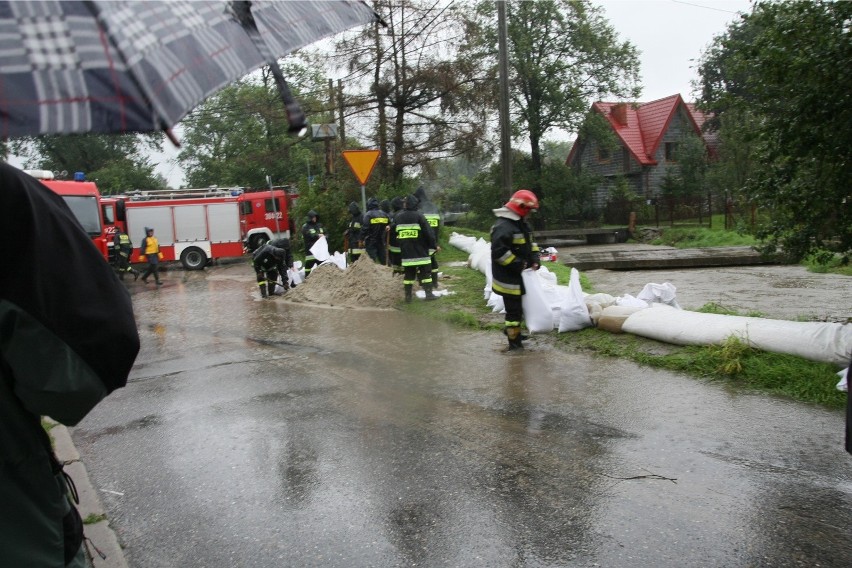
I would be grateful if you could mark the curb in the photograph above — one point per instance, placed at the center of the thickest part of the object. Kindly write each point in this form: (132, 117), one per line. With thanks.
(100, 534)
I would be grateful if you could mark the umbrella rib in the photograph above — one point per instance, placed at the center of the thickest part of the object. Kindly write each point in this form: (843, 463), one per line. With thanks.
(295, 115)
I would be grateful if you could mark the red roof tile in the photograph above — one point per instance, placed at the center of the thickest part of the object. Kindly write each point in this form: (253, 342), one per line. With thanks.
(646, 124)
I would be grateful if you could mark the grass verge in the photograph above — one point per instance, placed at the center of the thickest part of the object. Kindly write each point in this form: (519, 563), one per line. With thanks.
(734, 363)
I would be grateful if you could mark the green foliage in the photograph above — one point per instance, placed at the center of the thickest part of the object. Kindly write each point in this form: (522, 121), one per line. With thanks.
(240, 135)
(563, 54)
(785, 70)
(116, 162)
(702, 237)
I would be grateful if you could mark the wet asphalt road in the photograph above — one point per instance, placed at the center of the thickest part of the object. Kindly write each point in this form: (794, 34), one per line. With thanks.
(259, 433)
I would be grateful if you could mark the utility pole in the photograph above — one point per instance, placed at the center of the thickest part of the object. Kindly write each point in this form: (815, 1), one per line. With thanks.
(340, 113)
(329, 156)
(505, 136)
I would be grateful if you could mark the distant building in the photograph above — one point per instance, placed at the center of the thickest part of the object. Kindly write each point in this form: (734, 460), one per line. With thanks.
(648, 135)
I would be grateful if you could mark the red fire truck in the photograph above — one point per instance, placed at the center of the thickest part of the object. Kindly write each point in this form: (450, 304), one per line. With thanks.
(83, 199)
(197, 226)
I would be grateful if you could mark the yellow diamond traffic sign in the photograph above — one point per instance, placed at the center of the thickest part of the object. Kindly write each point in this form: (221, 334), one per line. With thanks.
(361, 162)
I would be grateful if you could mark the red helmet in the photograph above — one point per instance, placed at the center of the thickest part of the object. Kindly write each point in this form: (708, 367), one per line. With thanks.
(522, 202)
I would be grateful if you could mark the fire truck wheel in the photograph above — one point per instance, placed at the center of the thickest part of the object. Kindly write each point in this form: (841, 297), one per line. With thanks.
(193, 258)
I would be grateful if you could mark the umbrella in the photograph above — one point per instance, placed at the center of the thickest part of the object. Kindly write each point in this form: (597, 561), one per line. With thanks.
(135, 66)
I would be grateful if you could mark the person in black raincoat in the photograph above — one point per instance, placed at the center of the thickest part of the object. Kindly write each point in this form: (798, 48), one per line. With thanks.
(312, 230)
(352, 236)
(63, 348)
(394, 256)
(374, 231)
(430, 211)
(415, 238)
(269, 261)
(123, 248)
(513, 250)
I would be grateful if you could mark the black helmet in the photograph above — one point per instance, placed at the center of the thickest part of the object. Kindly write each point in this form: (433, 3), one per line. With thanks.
(396, 204)
(278, 253)
(411, 202)
(385, 205)
(372, 203)
(282, 243)
(312, 214)
(354, 209)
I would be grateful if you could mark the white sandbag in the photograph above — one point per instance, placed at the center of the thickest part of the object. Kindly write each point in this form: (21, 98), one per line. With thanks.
(603, 299)
(495, 302)
(462, 242)
(595, 312)
(573, 314)
(339, 259)
(816, 341)
(613, 317)
(295, 275)
(320, 249)
(628, 300)
(538, 314)
(843, 385)
(664, 293)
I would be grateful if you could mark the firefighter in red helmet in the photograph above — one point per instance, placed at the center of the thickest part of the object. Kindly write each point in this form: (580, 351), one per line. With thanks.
(513, 250)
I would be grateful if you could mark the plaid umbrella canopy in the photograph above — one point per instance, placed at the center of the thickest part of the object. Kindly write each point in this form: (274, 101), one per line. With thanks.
(136, 66)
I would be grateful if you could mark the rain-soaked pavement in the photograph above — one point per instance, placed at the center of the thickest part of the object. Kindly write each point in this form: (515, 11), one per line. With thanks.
(260, 433)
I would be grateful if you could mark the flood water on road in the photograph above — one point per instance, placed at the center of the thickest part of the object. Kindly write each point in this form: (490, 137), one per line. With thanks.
(262, 433)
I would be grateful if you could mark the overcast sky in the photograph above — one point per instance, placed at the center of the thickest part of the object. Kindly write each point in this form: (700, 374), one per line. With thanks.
(671, 34)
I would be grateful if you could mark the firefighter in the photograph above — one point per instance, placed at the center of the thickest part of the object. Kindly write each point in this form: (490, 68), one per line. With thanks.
(352, 236)
(269, 261)
(374, 231)
(284, 244)
(513, 250)
(430, 211)
(149, 250)
(414, 238)
(394, 257)
(122, 248)
(312, 230)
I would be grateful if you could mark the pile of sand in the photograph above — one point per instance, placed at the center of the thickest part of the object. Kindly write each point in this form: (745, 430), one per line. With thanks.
(364, 284)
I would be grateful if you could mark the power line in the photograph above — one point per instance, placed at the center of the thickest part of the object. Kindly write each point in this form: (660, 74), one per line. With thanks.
(705, 7)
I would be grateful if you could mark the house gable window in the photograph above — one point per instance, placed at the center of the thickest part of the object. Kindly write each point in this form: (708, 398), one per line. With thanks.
(604, 155)
(671, 151)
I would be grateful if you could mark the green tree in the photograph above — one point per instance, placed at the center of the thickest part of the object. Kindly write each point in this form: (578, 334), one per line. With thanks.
(785, 68)
(563, 55)
(409, 94)
(118, 163)
(240, 135)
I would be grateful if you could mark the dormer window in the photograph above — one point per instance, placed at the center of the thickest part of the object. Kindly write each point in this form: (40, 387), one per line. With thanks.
(671, 151)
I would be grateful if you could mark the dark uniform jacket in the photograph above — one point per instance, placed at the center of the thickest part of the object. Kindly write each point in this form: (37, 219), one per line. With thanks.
(512, 250)
(265, 259)
(63, 348)
(413, 236)
(311, 231)
(374, 226)
(284, 244)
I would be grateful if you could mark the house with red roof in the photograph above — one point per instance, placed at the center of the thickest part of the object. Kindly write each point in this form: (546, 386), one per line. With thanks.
(647, 137)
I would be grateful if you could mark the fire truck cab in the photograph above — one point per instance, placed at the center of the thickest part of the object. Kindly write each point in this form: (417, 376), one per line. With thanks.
(83, 198)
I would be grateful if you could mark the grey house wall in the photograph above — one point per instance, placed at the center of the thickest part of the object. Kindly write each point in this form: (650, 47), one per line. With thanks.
(642, 180)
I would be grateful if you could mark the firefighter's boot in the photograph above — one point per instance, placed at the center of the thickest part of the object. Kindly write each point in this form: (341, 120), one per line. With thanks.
(429, 295)
(271, 289)
(135, 274)
(263, 293)
(408, 293)
(514, 335)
